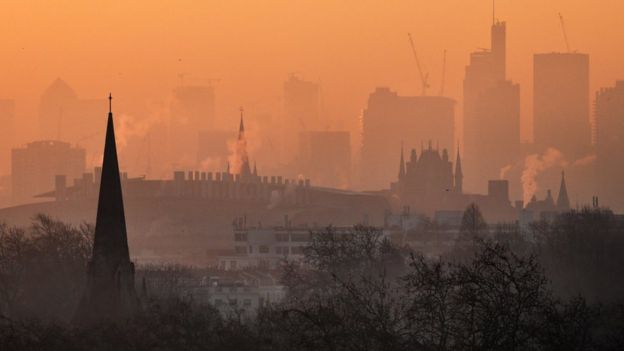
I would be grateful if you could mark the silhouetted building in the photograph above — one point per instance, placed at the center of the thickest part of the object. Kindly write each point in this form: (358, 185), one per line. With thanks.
(609, 122)
(110, 295)
(548, 208)
(325, 157)
(561, 103)
(389, 119)
(7, 121)
(34, 167)
(491, 112)
(64, 116)
(428, 185)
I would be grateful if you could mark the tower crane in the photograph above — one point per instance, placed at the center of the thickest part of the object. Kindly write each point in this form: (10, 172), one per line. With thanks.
(565, 34)
(424, 77)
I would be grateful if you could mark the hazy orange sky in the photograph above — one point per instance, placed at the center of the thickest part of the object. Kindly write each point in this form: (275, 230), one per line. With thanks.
(137, 48)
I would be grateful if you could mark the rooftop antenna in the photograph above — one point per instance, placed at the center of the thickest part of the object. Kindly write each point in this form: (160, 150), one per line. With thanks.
(494, 12)
(565, 34)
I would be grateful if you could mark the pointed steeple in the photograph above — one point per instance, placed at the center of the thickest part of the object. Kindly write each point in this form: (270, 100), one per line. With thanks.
(241, 128)
(459, 175)
(245, 168)
(563, 202)
(110, 294)
(402, 165)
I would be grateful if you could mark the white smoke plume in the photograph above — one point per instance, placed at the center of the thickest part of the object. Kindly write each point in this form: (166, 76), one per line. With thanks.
(504, 171)
(534, 165)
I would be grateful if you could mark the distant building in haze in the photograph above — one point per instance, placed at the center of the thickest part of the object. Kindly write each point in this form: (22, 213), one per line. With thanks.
(7, 121)
(301, 113)
(66, 117)
(498, 145)
(609, 119)
(325, 156)
(491, 112)
(192, 113)
(389, 119)
(35, 167)
(561, 103)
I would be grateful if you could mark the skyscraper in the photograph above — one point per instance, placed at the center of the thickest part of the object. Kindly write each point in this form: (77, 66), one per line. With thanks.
(389, 119)
(65, 117)
(110, 295)
(301, 113)
(561, 103)
(491, 113)
(609, 119)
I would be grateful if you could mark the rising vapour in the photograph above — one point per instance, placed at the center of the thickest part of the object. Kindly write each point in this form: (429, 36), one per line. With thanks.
(535, 164)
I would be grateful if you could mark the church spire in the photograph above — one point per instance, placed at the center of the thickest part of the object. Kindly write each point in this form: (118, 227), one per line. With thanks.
(110, 294)
(241, 128)
(402, 165)
(459, 175)
(563, 202)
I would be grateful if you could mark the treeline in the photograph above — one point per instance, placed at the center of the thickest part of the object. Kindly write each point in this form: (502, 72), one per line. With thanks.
(553, 286)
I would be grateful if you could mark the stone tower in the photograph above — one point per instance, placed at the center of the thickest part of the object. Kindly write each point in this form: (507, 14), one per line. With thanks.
(110, 294)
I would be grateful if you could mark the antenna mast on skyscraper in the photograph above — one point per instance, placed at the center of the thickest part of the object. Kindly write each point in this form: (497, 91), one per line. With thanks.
(493, 12)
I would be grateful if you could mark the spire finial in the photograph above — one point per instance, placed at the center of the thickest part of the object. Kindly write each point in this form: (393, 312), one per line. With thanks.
(110, 103)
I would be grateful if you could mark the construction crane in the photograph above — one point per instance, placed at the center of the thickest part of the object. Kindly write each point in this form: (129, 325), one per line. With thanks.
(424, 77)
(565, 34)
(443, 73)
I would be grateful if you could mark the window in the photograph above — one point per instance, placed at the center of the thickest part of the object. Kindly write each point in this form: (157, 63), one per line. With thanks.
(240, 236)
(246, 302)
(281, 237)
(297, 250)
(232, 264)
(218, 302)
(300, 237)
(263, 249)
(241, 249)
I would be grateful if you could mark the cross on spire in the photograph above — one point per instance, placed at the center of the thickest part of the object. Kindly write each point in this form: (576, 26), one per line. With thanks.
(110, 103)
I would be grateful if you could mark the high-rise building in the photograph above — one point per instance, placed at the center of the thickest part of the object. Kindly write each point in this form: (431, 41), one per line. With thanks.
(301, 113)
(609, 122)
(491, 113)
(65, 117)
(561, 103)
(35, 167)
(110, 294)
(325, 157)
(498, 110)
(7, 120)
(390, 119)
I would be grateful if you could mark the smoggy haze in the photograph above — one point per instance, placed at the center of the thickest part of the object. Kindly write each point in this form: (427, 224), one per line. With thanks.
(137, 49)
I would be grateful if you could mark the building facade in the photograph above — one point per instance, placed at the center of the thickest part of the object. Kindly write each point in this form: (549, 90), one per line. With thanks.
(609, 119)
(35, 167)
(561, 103)
(390, 119)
